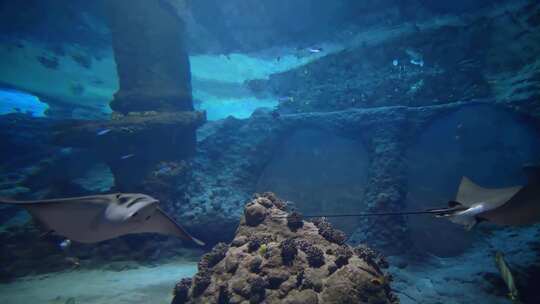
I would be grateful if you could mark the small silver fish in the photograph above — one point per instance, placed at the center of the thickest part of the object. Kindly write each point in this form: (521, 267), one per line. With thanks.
(103, 132)
(127, 156)
(315, 50)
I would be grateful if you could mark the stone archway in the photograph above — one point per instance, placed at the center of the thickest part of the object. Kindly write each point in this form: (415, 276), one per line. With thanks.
(320, 172)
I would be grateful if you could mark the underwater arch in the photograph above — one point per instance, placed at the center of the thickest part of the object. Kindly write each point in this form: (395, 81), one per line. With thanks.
(320, 172)
(490, 151)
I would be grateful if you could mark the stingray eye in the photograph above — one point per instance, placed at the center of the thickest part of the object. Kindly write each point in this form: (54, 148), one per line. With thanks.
(121, 199)
(134, 201)
(147, 218)
(135, 214)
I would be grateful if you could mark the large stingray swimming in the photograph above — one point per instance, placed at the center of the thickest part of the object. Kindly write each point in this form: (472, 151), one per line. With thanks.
(519, 205)
(91, 219)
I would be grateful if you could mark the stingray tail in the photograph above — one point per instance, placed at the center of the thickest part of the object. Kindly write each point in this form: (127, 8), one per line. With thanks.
(452, 209)
(186, 236)
(8, 201)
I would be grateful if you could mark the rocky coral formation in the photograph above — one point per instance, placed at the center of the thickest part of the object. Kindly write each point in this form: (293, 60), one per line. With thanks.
(267, 262)
(425, 64)
(119, 142)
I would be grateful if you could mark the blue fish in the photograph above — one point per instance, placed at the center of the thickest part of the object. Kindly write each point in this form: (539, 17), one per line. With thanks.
(127, 156)
(103, 132)
(65, 243)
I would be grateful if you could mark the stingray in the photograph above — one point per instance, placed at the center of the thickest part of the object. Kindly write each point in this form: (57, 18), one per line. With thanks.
(514, 206)
(91, 219)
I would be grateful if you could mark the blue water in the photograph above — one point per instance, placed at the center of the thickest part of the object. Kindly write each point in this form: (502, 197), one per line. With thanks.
(14, 101)
(338, 107)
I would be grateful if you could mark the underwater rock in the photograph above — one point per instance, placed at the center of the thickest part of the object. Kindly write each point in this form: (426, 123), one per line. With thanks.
(315, 256)
(181, 291)
(289, 267)
(200, 282)
(343, 253)
(289, 251)
(118, 143)
(294, 221)
(371, 256)
(328, 232)
(210, 259)
(256, 241)
(438, 64)
(254, 214)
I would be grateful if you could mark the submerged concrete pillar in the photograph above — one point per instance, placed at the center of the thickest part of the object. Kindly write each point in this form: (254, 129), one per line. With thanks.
(151, 136)
(154, 99)
(151, 57)
(387, 187)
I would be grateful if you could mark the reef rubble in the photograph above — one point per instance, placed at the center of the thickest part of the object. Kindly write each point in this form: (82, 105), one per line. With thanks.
(268, 261)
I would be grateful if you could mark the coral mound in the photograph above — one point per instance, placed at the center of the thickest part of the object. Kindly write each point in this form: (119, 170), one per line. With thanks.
(268, 262)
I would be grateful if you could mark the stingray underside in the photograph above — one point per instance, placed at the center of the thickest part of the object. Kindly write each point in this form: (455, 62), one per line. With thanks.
(522, 209)
(77, 221)
(161, 223)
(470, 194)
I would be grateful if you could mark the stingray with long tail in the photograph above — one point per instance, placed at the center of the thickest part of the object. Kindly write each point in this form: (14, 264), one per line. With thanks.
(515, 206)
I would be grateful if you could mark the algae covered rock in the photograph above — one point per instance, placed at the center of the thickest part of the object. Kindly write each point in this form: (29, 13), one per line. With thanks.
(270, 262)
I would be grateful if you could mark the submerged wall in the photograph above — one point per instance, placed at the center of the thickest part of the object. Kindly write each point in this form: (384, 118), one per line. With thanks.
(238, 157)
(319, 172)
(381, 106)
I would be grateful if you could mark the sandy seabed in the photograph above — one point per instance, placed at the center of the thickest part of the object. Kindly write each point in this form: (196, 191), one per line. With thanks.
(135, 286)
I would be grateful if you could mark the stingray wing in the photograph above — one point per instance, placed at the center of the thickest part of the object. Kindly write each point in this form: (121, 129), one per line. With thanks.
(522, 209)
(470, 194)
(75, 220)
(161, 223)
